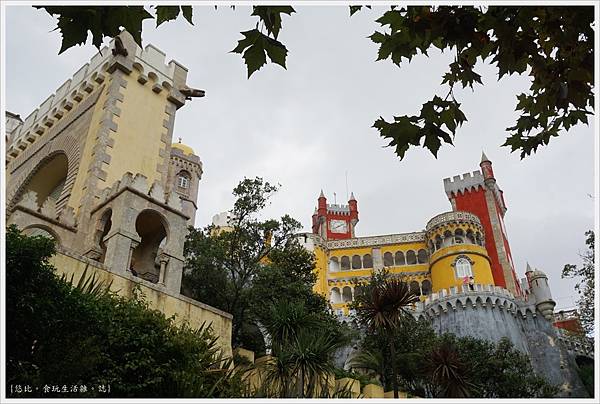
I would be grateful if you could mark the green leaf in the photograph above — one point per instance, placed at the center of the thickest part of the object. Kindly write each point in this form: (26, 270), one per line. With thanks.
(355, 9)
(271, 17)
(253, 47)
(187, 13)
(166, 13)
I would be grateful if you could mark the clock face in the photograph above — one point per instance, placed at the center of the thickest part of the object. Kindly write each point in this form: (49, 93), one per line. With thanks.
(338, 226)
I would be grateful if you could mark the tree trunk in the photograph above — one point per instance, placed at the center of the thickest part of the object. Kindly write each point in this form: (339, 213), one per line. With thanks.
(393, 360)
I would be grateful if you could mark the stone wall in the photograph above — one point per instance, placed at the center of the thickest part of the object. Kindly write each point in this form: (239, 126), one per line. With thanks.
(492, 315)
(184, 309)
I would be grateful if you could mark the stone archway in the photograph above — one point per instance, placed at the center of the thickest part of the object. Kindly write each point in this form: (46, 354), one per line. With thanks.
(152, 229)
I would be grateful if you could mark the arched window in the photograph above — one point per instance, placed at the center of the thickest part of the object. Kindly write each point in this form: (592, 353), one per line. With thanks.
(411, 257)
(415, 289)
(438, 242)
(448, 238)
(367, 261)
(470, 237)
(356, 262)
(459, 236)
(478, 239)
(399, 258)
(388, 259)
(463, 267)
(335, 296)
(347, 294)
(183, 181)
(334, 264)
(426, 287)
(422, 256)
(151, 229)
(345, 263)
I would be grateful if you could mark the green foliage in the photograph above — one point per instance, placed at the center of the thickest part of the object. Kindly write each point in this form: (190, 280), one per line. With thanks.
(585, 285)
(449, 366)
(89, 336)
(253, 267)
(381, 308)
(553, 45)
(74, 23)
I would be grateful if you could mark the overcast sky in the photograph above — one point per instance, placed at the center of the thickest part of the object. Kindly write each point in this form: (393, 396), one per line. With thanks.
(306, 126)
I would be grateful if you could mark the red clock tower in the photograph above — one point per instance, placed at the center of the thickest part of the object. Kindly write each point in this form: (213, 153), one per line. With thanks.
(335, 222)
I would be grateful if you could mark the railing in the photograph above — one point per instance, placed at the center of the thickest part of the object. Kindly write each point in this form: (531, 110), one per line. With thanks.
(458, 216)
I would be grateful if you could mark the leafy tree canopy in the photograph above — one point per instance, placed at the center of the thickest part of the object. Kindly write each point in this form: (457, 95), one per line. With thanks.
(250, 266)
(585, 286)
(553, 45)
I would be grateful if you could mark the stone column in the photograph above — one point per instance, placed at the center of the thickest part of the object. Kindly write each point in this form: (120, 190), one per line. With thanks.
(132, 246)
(173, 274)
(377, 259)
(163, 259)
(119, 248)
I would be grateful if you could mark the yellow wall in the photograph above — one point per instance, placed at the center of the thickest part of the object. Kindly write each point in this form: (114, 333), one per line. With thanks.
(321, 271)
(78, 189)
(185, 309)
(443, 275)
(139, 130)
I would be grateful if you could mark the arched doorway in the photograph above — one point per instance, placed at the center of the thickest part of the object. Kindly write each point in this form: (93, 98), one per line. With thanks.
(152, 230)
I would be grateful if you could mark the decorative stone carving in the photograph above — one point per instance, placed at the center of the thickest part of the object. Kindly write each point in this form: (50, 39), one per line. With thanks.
(29, 201)
(49, 208)
(377, 240)
(157, 192)
(174, 201)
(105, 194)
(140, 183)
(67, 216)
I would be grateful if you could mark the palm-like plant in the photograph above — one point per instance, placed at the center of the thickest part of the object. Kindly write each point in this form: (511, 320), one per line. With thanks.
(381, 306)
(448, 372)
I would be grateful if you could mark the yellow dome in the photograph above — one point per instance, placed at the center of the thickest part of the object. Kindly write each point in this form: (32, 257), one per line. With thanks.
(184, 148)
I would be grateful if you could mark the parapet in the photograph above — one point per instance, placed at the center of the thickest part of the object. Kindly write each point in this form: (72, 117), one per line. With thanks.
(150, 61)
(464, 183)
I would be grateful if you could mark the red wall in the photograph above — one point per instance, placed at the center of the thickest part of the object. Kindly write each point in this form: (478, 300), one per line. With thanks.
(474, 202)
(338, 236)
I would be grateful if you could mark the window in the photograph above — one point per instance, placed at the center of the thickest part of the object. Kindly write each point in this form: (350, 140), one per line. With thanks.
(426, 287)
(183, 181)
(356, 262)
(399, 258)
(334, 264)
(463, 268)
(345, 262)
(422, 256)
(411, 257)
(388, 259)
(415, 289)
(367, 261)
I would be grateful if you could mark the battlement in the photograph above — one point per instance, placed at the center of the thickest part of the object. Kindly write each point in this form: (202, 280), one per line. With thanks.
(150, 61)
(464, 183)
(139, 184)
(489, 296)
(338, 209)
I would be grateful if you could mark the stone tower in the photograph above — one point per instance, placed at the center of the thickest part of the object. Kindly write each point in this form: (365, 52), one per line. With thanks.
(93, 166)
(479, 194)
(185, 172)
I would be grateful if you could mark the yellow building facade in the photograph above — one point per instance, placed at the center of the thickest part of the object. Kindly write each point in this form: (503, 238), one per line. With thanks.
(449, 255)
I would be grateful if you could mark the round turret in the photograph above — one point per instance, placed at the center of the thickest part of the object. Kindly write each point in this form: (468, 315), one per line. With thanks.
(538, 283)
(457, 251)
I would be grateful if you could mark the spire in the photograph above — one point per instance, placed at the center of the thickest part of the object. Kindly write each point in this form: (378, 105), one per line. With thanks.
(322, 195)
(528, 268)
(484, 157)
(352, 196)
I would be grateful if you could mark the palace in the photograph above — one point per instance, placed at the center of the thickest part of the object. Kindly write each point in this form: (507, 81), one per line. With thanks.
(461, 268)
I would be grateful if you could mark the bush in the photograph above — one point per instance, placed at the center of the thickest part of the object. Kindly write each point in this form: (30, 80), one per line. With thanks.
(61, 334)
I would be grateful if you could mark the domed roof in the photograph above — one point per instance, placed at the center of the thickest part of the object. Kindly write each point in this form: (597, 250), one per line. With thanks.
(185, 149)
